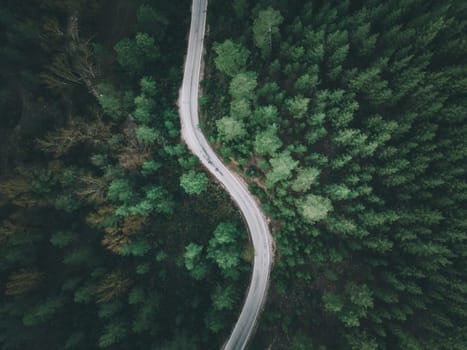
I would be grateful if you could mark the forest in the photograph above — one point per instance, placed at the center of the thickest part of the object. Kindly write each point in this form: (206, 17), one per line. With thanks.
(111, 234)
(346, 118)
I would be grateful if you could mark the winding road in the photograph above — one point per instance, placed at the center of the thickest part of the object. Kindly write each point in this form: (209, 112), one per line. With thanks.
(237, 188)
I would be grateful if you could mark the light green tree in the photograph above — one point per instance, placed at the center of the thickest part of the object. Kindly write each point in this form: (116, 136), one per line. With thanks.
(243, 85)
(265, 26)
(333, 303)
(146, 134)
(230, 128)
(338, 191)
(194, 182)
(264, 116)
(305, 178)
(282, 166)
(314, 208)
(231, 58)
(194, 261)
(120, 190)
(267, 142)
(144, 109)
(240, 108)
(297, 106)
(306, 83)
(224, 249)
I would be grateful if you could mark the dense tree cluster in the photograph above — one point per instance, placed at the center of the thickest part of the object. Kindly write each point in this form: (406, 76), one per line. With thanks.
(111, 235)
(348, 120)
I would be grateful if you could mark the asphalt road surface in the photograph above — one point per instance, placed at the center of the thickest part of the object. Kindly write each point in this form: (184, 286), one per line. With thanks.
(238, 190)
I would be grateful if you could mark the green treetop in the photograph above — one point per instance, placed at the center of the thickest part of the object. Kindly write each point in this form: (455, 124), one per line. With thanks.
(265, 26)
(193, 182)
(231, 57)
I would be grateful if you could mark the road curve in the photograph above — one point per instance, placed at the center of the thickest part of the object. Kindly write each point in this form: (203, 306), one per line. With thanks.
(255, 219)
